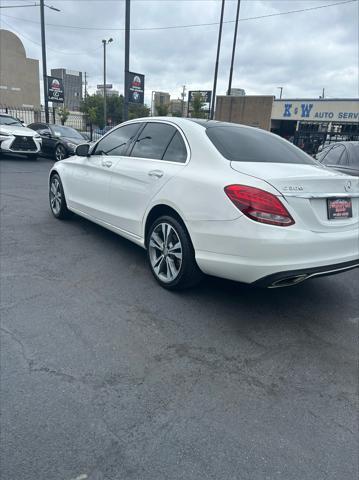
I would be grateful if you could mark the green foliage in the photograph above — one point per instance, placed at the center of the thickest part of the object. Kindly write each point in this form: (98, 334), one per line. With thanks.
(197, 105)
(93, 107)
(137, 111)
(176, 114)
(63, 113)
(161, 109)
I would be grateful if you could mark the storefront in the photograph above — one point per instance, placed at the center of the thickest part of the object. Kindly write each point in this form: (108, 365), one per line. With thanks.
(309, 123)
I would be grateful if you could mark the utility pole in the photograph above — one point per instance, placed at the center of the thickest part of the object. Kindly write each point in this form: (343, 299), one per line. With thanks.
(281, 91)
(217, 60)
(183, 95)
(323, 93)
(127, 60)
(85, 86)
(105, 42)
(44, 67)
(233, 48)
(104, 84)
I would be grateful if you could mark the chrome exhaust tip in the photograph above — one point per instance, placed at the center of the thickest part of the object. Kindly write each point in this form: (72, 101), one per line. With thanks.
(289, 281)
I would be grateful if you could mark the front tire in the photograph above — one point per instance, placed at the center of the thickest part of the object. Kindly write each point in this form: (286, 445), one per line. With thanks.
(57, 198)
(60, 152)
(171, 255)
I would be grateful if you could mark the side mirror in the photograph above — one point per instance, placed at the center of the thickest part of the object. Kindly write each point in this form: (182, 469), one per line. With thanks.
(44, 133)
(82, 150)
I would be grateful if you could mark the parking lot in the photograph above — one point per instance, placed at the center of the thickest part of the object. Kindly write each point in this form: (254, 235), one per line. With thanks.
(106, 376)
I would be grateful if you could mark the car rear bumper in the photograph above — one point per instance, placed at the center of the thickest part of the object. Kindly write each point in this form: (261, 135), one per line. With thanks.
(249, 252)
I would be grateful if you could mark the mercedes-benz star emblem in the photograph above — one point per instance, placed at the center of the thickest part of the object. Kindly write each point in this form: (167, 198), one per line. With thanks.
(348, 186)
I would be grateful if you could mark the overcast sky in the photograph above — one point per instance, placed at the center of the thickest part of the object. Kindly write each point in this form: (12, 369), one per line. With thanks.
(303, 52)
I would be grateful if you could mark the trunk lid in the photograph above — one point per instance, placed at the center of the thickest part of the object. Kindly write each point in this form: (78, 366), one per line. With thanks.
(306, 189)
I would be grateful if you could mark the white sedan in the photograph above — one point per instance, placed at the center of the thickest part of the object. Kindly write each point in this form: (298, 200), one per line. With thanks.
(215, 198)
(15, 138)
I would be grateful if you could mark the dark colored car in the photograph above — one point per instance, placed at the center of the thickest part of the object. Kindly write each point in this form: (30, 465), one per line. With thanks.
(58, 141)
(342, 156)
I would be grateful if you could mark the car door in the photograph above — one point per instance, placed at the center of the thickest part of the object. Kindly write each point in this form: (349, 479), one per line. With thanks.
(89, 178)
(158, 153)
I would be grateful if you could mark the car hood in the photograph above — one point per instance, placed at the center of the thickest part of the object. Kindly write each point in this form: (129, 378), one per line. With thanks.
(15, 130)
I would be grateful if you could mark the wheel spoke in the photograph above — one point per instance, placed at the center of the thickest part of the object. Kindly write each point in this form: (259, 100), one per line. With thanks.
(156, 242)
(157, 265)
(53, 188)
(164, 233)
(171, 268)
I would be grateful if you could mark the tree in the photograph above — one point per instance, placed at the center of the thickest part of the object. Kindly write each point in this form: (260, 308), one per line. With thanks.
(93, 107)
(63, 113)
(161, 109)
(197, 105)
(137, 111)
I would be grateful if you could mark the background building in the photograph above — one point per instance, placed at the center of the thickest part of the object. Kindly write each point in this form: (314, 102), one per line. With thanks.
(178, 108)
(253, 110)
(238, 92)
(72, 81)
(160, 98)
(19, 75)
(307, 122)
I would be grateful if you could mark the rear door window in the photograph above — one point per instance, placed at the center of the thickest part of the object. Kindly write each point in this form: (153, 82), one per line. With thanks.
(153, 141)
(176, 150)
(241, 144)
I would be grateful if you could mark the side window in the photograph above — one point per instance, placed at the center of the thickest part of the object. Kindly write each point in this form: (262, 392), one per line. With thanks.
(153, 141)
(116, 142)
(334, 155)
(176, 150)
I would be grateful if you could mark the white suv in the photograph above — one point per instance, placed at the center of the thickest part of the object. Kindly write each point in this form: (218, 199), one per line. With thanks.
(15, 138)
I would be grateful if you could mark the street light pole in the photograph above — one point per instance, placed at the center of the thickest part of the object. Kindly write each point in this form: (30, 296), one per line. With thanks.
(281, 91)
(44, 67)
(233, 49)
(127, 59)
(217, 60)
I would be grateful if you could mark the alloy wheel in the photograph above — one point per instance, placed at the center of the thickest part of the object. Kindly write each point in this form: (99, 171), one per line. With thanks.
(165, 252)
(55, 196)
(60, 153)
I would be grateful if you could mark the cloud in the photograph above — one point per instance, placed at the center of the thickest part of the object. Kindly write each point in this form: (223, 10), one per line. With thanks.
(303, 52)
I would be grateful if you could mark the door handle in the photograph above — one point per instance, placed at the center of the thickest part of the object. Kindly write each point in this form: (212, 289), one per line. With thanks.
(155, 173)
(106, 163)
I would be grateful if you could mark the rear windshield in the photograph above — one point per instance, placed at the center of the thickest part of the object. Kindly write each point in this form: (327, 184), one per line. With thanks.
(240, 144)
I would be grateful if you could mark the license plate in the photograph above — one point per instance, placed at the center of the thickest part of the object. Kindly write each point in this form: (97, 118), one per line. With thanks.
(339, 208)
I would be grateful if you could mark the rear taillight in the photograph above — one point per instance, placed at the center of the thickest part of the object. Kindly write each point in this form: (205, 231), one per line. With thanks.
(259, 205)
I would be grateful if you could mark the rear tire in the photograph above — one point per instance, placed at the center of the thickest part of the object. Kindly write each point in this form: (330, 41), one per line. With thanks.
(57, 198)
(171, 255)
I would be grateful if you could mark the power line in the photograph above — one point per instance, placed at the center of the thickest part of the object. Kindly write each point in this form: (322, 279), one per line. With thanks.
(49, 48)
(169, 27)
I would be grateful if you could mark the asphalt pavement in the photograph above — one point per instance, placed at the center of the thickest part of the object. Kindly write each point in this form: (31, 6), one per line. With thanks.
(106, 376)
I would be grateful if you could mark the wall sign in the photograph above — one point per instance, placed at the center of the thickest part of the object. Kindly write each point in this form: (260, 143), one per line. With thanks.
(341, 111)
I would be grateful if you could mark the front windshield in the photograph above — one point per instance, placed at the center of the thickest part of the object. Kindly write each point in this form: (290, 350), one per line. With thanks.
(7, 120)
(61, 131)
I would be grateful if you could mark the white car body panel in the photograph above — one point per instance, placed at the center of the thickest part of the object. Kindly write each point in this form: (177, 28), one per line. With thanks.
(227, 243)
